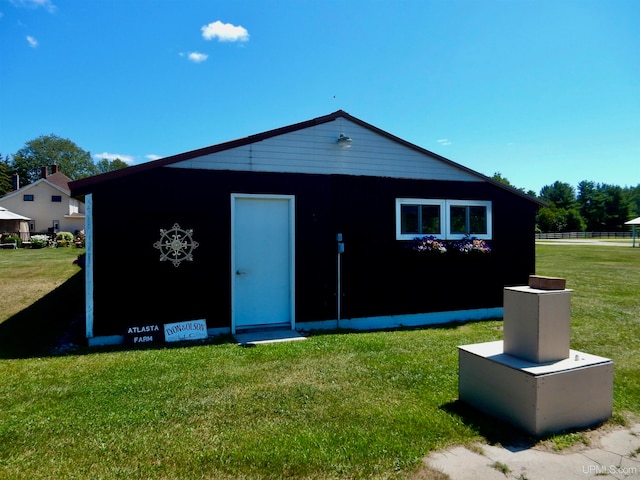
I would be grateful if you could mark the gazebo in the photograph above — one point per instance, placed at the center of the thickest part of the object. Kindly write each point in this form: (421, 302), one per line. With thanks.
(15, 224)
(633, 223)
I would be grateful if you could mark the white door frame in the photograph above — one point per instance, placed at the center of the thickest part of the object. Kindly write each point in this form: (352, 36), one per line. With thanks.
(292, 284)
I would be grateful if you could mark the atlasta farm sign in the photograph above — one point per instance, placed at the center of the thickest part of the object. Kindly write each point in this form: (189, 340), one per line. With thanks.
(144, 334)
(170, 332)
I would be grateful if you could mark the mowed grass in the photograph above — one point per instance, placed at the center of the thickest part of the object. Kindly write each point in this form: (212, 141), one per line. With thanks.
(338, 405)
(27, 275)
(605, 308)
(41, 300)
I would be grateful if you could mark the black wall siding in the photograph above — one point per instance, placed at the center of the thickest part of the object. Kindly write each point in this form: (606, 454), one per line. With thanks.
(380, 275)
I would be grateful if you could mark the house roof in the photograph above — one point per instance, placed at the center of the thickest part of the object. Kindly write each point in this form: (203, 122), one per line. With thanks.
(60, 180)
(57, 180)
(7, 215)
(85, 185)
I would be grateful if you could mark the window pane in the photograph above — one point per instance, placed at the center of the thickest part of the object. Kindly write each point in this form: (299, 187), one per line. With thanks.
(409, 219)
(478, 220)
(430, 219)
(458, 219)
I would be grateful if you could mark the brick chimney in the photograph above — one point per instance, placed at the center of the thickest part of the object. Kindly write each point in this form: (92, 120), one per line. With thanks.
(15, 181)
(54, 169)
(43, 172)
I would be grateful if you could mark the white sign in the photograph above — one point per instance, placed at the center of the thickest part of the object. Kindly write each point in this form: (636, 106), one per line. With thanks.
(191, 330)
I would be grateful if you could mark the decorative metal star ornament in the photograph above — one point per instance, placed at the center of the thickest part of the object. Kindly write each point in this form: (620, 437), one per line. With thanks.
(176, 245)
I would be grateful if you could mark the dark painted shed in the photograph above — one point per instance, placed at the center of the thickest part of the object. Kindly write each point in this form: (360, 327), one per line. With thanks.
(244, 235)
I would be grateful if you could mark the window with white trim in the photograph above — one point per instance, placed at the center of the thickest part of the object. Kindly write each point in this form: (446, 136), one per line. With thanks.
(445, 219)
(418, 217)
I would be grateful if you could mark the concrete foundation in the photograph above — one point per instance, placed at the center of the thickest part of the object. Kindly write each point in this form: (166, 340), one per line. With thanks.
(532, 379)
(538, 398)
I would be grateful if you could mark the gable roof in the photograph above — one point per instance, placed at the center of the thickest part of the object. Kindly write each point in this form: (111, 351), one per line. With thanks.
(60, 180)
(57, 180)
(85, 185)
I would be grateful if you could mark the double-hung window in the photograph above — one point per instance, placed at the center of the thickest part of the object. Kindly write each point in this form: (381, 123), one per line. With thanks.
(444, 219)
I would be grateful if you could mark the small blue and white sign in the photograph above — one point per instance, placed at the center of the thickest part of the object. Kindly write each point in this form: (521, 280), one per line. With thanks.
(181, 331)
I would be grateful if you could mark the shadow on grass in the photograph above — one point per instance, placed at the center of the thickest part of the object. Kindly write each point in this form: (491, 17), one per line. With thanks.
(49, 324)
(55, 325)
(498, 432)
(492, 429)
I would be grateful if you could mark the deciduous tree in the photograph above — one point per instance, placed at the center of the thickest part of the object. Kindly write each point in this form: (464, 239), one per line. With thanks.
(48, 150)
(105, 165)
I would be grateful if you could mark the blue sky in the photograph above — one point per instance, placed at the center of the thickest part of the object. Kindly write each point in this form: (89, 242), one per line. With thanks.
(539, 90)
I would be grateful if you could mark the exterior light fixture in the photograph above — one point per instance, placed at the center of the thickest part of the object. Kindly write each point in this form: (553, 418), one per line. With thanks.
(344, 141)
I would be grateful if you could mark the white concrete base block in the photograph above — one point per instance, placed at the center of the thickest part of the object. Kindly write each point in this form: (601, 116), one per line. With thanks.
(537, 323)
(542, 398)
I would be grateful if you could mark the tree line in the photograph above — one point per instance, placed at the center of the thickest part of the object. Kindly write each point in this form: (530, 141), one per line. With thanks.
(593, 206)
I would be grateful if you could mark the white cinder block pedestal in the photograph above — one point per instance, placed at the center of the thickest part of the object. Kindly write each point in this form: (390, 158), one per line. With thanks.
(537, 323)
(540, 398)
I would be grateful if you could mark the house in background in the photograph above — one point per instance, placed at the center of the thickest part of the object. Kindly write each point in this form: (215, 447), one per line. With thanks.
(247, 235)
(47, 202)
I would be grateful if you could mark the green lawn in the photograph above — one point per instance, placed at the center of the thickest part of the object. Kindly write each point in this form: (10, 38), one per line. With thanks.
(338, 405)
(41, 298)
(605, 308)
(27, 275)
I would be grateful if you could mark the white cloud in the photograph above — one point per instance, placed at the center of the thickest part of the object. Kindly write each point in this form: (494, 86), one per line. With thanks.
(197, 57)
(112, 156)
(153, 156)
(444, 141)
(46, 4)
(225, 32)
(33, 43)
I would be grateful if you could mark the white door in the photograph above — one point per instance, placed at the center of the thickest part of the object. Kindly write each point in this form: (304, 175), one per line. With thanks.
(262, 259)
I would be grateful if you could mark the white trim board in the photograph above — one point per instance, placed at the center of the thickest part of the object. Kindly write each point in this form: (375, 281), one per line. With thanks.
(408, 320)
(88, 264)
(119, 339)
(363, 324)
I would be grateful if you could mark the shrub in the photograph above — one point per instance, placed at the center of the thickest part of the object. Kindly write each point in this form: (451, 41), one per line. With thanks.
(64, 239)
(68, 236)
(11, 239)
(39, 241)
